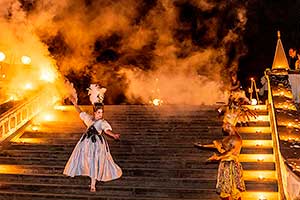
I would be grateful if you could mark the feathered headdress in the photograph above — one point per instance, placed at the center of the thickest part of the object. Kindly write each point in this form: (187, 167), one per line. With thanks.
(96, 93)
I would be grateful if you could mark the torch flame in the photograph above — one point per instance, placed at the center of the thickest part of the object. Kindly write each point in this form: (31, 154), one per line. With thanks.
(156, 102)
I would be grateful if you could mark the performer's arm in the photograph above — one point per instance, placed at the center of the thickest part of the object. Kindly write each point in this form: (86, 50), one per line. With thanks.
(227, 154)
(78, 109)
(116, 136)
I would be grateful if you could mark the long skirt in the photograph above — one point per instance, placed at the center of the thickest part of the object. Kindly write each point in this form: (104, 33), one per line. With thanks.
(92, 159)
(230, 177)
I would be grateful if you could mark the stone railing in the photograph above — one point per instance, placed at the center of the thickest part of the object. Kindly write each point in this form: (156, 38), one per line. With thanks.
(281, 105)
(18, 116)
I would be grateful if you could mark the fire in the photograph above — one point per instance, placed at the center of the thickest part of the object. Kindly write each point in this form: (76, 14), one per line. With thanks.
(26, 60)
(157, 102)
(47, 75)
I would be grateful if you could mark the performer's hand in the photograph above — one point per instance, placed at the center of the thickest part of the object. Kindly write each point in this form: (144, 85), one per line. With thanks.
(116, 136)
(73, 100)
(213, 157)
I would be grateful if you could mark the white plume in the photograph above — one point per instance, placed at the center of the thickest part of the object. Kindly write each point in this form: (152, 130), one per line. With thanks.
(96, 93)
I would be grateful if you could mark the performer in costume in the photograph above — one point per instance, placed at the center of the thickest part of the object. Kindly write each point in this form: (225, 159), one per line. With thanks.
(91, 155)
(230, 181)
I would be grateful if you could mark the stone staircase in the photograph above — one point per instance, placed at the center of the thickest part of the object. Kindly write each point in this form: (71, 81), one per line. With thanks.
(156, 154)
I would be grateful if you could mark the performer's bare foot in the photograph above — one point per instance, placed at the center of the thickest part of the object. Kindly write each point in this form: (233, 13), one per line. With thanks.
(197, 144)
(93, 189)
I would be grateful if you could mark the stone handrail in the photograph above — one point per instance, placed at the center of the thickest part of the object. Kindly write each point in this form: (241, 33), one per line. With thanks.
(18, 116)
(289, 182)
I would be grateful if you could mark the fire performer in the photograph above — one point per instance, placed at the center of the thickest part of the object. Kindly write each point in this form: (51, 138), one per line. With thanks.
(230, 181)
(91, 156)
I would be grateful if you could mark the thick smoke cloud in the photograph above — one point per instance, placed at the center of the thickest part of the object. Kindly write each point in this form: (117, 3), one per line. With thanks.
(180, 51)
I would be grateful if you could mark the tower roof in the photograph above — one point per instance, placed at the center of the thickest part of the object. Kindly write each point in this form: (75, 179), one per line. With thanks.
(280, 60)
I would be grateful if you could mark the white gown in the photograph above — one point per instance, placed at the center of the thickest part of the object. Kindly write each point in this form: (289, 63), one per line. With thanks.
(93, 159)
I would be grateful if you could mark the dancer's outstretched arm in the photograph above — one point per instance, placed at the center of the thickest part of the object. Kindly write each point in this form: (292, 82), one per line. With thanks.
(116, 136)
(73, 100)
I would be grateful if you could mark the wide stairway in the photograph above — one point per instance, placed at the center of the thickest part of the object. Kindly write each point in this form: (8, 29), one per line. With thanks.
(156, 154)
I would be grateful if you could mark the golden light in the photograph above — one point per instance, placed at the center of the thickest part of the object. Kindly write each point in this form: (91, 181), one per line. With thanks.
(156, 102)
(268, 175)
(262, 197)
(256, 158)
(48, 117)
(47, 75)
(290, 125)
(261, 177)
(13, 98)
(28, 86)
(2, 56)
(34, 127)
(253, 102)
(26, 60)
(258, 143)
(279, 66)
(260, 159)
(3, 75)
(59, 107)
(252, 79)
(258, 131)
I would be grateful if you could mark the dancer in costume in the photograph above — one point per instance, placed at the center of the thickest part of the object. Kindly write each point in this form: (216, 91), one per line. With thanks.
(91, 155)
(230, 181)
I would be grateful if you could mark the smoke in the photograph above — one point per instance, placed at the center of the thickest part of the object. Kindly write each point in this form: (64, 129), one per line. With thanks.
(180, 51)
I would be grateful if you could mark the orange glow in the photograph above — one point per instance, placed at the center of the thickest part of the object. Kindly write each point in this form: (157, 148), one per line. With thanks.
(253, 102)
(28, 86)
(156, 102)
(47, 116)
(263, 175)
(258, 143)
(259, 195)
(47, 75)
(254, 129)
(35, 127)
(11, 169)
(2, 56)
(256, 158)
(26, 60)
(13, 98)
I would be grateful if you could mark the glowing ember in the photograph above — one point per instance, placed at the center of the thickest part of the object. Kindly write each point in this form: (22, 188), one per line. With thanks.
(2, 56)
(26, 60)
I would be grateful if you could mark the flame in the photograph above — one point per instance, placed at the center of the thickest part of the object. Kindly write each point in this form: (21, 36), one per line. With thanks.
(157, 102)
(26, 60)
(47, 75)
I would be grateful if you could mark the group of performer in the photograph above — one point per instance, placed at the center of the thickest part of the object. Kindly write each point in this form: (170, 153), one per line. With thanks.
(91, 156)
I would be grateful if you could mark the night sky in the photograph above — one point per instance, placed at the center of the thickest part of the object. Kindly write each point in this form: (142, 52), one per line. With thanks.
(241, 34)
